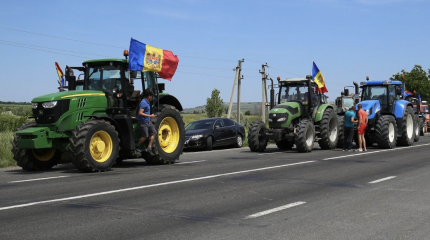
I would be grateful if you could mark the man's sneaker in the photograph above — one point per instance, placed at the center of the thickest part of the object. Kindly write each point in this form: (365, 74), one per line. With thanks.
(149, 151)
(154, 150)
(138, 150)
(343, 150)
(349, 150)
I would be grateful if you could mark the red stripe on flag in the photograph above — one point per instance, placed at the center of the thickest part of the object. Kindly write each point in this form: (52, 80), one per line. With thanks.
(169, 65)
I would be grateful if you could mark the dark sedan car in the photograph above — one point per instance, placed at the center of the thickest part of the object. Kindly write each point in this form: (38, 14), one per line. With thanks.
(211, 132)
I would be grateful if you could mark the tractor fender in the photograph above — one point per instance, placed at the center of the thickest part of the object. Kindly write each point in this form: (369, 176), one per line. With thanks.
(320, 112)
(171, 100)
(124, 126)
(400, 107)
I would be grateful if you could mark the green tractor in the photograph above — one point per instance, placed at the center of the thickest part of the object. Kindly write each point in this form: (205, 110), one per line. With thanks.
(93, 125)
(343, 103)
(301, 117)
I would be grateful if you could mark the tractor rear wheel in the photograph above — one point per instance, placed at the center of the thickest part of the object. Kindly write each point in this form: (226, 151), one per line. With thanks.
(34, 159)
(422, 127)
(170, 136)
(328, 130)
(284, 144)
(305, 136)
(407, 128)
(94, 146)
(341, 121)
(386, 132)
(417, 128)
(256, 140)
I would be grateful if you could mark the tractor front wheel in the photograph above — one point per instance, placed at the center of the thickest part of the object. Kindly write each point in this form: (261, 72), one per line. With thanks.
(328, 130)
(34, 159)
(386, 132)
(170, 137)
(94, 146)
(305, 136)
(256, 140)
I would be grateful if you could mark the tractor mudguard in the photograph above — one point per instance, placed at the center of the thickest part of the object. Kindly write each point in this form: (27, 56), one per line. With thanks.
(320, 112)
(289, 111)
(170, 100)
(400, 107)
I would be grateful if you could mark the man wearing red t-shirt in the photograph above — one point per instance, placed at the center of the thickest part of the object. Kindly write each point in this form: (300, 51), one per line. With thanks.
(362, 124)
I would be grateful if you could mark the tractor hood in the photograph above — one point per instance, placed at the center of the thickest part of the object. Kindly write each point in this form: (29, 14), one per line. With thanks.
(371, 107)
(282, 115)
(67, 95)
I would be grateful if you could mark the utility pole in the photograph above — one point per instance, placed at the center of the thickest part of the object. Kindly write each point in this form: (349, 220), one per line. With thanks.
(264, 76)
(236, 81)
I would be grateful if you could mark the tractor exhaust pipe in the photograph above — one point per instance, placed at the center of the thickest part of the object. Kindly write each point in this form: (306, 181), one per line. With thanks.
(272, 95)
(356, 87)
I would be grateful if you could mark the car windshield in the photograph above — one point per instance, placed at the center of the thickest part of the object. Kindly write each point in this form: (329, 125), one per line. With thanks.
(294, 93)
(204, 124)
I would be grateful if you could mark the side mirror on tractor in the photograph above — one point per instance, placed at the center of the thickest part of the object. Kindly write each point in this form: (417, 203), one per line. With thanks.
(71, 82)
(161, 87)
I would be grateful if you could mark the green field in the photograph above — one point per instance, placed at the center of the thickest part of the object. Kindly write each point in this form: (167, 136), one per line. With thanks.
(6, 157)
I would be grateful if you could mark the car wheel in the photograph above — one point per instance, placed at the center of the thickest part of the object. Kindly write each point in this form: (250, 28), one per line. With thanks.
(239, 141)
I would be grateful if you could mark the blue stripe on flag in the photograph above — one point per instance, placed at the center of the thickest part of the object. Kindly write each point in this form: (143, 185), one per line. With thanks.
(137, 55)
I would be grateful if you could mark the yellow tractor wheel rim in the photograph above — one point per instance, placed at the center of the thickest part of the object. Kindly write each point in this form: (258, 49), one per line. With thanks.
(44, 154)
(101, 146)
(168, 135)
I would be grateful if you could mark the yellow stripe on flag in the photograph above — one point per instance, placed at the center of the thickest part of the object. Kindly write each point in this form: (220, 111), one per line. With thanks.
(152, 59)
(319, 80)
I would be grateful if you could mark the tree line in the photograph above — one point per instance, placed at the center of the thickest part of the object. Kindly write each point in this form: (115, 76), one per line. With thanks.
(416, 80)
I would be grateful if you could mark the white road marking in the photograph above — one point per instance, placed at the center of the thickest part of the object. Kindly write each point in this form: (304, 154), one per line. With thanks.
(189, 162)
(37, 179)
(382, 179)
(275, 210)
(269, 153)
(365, 153)
(150, 186)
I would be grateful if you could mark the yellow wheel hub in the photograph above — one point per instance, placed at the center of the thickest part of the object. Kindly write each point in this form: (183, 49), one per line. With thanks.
(101, 146)
(44, 154)
(168, 135)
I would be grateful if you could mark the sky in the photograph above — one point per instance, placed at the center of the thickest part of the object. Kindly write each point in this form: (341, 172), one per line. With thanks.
(347, 39)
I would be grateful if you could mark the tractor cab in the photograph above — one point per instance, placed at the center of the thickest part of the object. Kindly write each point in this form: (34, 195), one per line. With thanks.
(385, 92)
(301, 91)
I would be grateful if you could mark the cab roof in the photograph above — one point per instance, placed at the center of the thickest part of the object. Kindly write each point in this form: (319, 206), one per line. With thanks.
(106, 60)
(382, 82)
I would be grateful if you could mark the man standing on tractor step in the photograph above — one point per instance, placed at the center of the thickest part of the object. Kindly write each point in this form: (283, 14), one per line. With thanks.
(348, 129)
(144, 122)
(362, 124)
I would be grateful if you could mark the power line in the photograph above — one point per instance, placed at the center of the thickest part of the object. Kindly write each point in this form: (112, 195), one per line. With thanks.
(42, 50)
(51, 48)
(51, 36)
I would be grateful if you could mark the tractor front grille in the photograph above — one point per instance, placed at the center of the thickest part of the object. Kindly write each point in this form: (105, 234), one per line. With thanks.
(50, 115)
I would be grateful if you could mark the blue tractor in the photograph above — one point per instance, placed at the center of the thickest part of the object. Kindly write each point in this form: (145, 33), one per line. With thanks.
(392, 119)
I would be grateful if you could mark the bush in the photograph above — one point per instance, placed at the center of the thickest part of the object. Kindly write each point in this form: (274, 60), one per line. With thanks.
(247, 113)
(10, 123)
(243, 120)
(6, 156)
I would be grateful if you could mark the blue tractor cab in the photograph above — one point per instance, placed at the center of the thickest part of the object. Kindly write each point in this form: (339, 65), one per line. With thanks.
(391, 118)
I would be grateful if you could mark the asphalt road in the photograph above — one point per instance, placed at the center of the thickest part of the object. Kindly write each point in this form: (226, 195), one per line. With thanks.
(228, 194)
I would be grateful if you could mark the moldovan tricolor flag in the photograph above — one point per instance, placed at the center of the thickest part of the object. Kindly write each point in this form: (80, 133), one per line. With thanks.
(60, 74)
(318, 78)
(145, 58)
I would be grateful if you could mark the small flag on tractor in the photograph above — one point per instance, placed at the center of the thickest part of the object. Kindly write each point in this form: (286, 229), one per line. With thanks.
(318, 78)
(60, 74)
(146, 58)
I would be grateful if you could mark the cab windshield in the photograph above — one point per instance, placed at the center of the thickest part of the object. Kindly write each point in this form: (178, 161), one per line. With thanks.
(294, 93)
(348, 102)
(103, 78)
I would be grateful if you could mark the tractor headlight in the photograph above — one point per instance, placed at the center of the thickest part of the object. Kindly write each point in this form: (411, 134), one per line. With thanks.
(195, 137)
(49, 104)
(270, 120)
(281, 119)
(34, 105)
(367, 112)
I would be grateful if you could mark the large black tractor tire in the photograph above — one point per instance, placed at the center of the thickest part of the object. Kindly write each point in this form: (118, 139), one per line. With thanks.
(285, 144)
(340, 129)
(407, 129)
(422, 127)
(94, 146)
(34, 159)
(417, 128)
(170, 136)
(305, 136)
(328, 130)
(256, 140)
(386, 132)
